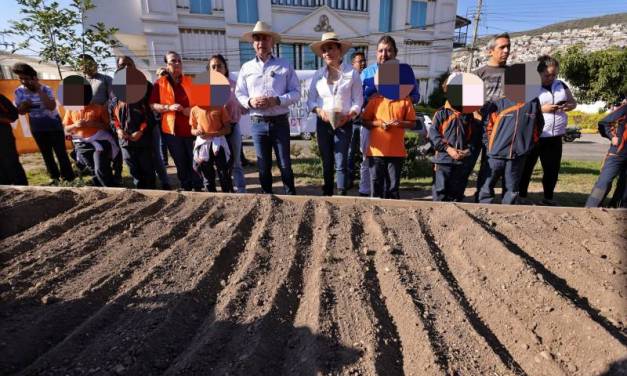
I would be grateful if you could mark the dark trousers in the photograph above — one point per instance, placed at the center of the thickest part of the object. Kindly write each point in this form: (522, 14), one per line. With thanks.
(549, 151)
(353, 148)
(508, 169)
(98, 162)
(158, 158)
(140, 164)
(619, 198)
(50, 144)
(269, 134)
(614, 165)
(182, 152)
(385, 170)
(11, 170)
(117, 162)
(333, 145)
(208, 173)
(449, 182)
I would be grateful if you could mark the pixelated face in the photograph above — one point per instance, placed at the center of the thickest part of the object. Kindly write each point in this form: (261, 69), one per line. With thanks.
(210, 89)
(359, 63)
(385, 52)
(522, 82)
(129, 85)
(174, 64)
(500, 53)
(331, 53)
(465, 92)
(74, 93)
(394, 80)
(262, 43)
(216, 65)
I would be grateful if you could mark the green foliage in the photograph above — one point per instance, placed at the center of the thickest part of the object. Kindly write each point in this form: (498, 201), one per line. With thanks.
(438, 97)
(58, 35)
(585, 120)
(595, 75)
(415, 165)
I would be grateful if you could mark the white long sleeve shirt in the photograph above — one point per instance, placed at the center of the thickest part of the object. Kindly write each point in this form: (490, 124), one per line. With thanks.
(346, 94)
(274, 78)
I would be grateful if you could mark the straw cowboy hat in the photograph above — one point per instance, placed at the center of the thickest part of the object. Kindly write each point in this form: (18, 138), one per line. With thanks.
(261, 28)
(330, 37)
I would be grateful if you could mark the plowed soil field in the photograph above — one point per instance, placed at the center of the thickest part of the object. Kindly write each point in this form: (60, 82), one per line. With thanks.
(130, 283)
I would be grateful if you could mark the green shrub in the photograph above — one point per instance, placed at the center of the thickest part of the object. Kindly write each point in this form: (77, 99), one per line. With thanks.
(584, 120)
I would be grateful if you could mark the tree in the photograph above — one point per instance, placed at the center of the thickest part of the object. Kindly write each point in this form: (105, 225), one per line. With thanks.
(595, 75)
(438, 96)
(59, 35)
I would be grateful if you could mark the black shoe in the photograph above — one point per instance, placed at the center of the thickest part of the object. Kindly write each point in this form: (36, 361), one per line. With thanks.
(342, 192)
(364, 194)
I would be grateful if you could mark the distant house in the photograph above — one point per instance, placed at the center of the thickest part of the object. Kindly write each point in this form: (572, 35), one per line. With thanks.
(45, 71)
(424, 30)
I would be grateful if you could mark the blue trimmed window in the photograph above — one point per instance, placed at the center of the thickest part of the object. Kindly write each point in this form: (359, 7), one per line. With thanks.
(200, 6)
(385, 16)
(418, 14)
(247, 11)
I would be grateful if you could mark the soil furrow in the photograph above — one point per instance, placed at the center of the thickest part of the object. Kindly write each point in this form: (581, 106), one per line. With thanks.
(390, 357)
(20, 216)
(573, 266)
(253, 348)
(169, 314)
(453, 339)
(73, 267)
(471, 314)
(52, 229)
(215, 330)
(85, 238)
(308, 338)
(558, 283)
(532, 327)
(99, 306)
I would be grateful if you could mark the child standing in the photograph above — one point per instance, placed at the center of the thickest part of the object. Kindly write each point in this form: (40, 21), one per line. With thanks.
(210, 124)
(387, 120)
(450, 136)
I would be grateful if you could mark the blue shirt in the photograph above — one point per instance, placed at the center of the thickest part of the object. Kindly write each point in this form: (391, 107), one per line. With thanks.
(274, 78)
(40, 118)
(367, 77)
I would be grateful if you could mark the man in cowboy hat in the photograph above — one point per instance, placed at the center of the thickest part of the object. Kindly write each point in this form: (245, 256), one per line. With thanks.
(267, 86)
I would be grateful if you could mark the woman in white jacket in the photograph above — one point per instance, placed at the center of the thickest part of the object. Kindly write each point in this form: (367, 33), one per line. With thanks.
(556, 99)
(335, 96)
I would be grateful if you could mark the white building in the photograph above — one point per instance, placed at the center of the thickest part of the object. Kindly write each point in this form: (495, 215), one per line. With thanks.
(423, 29)
(45, 71)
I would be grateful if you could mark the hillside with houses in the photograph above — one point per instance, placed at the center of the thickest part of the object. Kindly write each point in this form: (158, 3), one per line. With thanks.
(594, 34)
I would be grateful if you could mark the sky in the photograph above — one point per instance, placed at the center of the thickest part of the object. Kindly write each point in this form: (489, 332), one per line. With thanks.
(497, 15)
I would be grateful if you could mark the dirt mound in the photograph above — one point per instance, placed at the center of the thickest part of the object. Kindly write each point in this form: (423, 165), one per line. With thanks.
(126, 283)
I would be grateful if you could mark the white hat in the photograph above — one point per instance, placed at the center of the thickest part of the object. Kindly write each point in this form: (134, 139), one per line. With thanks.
(330, 37)
(261, 28)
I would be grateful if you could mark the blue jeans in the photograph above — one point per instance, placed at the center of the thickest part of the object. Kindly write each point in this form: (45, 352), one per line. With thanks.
(235, 143)
(98, 162)
(508, 169)
(182, 151)
(614, 165)
(333, 146)
(158, 158)
(273, 133)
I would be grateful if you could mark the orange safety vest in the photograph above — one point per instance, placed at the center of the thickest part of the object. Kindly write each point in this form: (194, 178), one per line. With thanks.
(166, 96)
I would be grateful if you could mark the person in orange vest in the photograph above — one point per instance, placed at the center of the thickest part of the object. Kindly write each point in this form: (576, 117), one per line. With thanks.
(11, 170)
(171, 98)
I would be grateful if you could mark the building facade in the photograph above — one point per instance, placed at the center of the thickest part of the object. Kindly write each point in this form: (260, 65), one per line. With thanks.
(423, 29)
